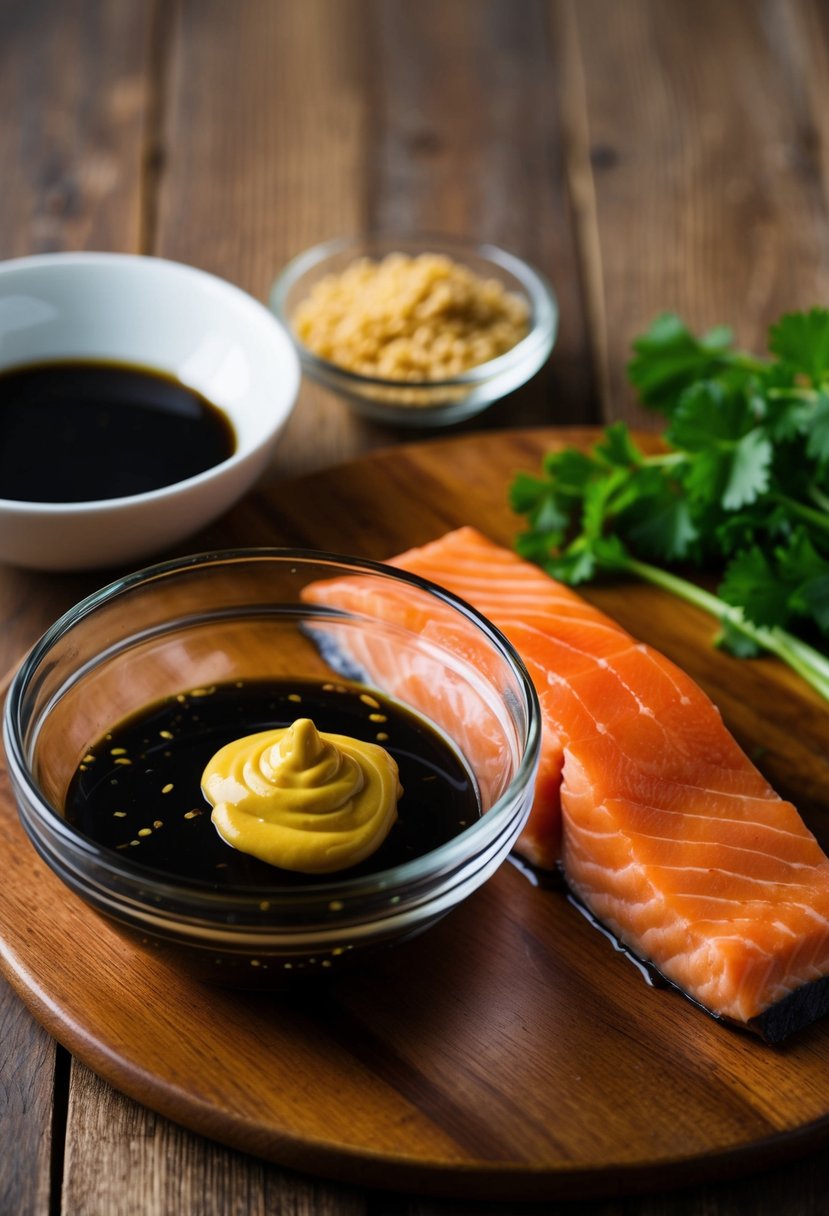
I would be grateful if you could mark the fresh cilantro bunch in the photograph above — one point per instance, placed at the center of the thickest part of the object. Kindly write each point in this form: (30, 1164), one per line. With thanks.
(741, 488)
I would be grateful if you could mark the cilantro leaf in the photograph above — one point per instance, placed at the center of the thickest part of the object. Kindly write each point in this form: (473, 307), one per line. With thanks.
(806, 573)
(737, 530)
(748, 476)
(817, 444)
(526, 492)
(801, 339)
(534, 546)
(663, 527)
(577, 564)
(736, 642)
(813, 600)
(707, 412)
(616, 447)
(669, 357)
(548, 508)
(732, 456)
(751, 583)
(774, 590)
(741, 488)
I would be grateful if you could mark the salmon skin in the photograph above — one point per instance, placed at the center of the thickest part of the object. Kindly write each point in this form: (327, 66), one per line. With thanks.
(666, 831)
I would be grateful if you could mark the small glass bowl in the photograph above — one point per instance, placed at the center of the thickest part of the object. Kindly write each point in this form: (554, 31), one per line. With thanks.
(425, 403)
(248, 614)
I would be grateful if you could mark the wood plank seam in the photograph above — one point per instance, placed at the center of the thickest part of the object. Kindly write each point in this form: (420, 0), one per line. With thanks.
(578, 169)
(60, 1118)
(162, 24)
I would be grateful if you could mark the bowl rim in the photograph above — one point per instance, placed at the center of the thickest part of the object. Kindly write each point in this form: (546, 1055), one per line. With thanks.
(61, 261)
(445, 859)
(542, 298)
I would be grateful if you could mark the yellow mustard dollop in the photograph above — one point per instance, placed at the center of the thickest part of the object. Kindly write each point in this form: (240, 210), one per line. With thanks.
(303, 800)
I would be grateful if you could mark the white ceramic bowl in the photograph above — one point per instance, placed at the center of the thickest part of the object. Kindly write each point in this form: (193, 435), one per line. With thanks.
(175, 319)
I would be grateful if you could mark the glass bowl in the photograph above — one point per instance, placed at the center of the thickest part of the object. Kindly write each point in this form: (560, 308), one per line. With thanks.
(423, 403)
(231, 616)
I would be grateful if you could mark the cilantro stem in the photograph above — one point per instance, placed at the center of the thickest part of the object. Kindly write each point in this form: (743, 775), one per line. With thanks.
(792, 392)
(809, 663)
(812, 515)
(746, 363)
(665, 460)
(817, 496)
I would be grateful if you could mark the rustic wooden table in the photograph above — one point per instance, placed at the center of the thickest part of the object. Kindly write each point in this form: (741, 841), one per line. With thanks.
(645, 154)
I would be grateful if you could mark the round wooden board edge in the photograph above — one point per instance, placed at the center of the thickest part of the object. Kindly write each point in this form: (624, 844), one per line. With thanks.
(501, 1182)
(491, 1180)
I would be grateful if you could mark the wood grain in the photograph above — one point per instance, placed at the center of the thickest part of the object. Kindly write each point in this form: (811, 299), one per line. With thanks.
(73, 158)
(697, 157)
(248, 188)
(464, 1063)
(188, 1173)
(349, 116)
(492, 171)
(74, 93)
(697, 149)
(27, 1063)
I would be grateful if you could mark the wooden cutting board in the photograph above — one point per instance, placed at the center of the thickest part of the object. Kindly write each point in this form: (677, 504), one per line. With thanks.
(510, 1052)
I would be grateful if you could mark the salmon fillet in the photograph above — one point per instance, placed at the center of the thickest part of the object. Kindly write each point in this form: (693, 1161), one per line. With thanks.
(665, 829)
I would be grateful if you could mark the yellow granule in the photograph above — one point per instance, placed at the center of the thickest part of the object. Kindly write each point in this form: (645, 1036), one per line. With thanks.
(410, 318)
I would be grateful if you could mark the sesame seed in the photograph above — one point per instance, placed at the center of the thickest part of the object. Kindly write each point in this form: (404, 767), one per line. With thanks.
(166, 734)
(377, 718)
(123, 760)
(117, 751)
(367, 700)
(145, 831)
(165, 789)
(120, 814)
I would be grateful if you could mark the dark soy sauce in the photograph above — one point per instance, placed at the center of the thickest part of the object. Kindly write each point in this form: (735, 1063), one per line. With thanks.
(138, 790)
(81, 431)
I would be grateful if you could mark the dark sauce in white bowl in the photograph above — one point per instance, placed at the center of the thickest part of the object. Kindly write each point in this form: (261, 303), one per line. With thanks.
(86, 430)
